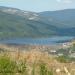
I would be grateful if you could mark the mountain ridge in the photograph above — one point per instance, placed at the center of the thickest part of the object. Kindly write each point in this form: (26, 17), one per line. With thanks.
(19, 23)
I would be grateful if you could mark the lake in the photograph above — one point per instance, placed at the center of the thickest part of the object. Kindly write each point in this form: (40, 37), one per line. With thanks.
(37, 41)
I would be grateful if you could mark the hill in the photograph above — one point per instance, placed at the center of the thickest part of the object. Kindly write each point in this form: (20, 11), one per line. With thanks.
(66, 16)
(19, 23)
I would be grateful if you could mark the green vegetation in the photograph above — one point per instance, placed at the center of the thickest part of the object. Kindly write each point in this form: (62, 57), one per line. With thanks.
(6, 65)
(18, 25)
(63, 59)
(33, 69)
(13, 25)
(44, 70)
(11, 67)
(22, 68)
(73, 47)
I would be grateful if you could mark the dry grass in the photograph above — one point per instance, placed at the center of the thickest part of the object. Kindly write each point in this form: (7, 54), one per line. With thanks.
(35, 62)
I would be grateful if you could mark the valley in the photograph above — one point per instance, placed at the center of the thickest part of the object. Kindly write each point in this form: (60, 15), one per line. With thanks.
(37, 43)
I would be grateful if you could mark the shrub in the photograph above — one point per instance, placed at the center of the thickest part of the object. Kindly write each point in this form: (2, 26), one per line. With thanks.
(44, 70)
(63, 59)
(6, 65)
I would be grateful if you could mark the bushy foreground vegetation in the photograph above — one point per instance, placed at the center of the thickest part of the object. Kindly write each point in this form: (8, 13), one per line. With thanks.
(17, 66)
(34, 62)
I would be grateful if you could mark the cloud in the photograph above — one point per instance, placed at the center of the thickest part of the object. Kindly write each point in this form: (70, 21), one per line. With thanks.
(65, 1)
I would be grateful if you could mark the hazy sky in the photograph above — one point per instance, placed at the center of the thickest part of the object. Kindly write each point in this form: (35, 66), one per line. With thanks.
(39, 5)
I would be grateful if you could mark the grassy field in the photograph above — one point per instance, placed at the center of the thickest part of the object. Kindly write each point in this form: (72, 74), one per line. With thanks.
(34, 62)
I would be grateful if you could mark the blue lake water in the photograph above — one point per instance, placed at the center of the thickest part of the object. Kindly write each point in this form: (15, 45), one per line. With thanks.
(37, 41)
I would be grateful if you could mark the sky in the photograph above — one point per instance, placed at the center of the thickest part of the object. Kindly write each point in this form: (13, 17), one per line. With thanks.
(39, 5)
